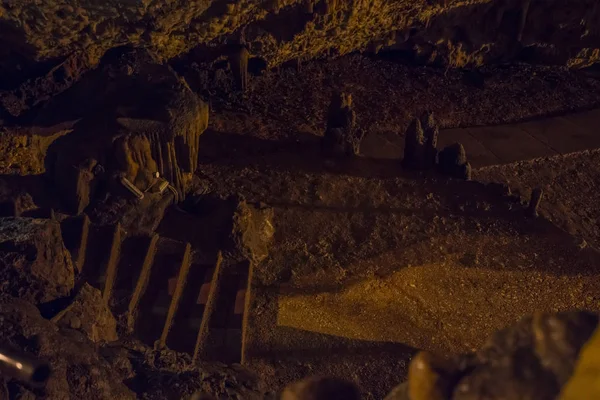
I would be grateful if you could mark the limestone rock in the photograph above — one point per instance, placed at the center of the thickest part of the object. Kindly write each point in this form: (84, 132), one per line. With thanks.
(431, 133)
(534, 202)
(89, 314)
(78, 371)
(34, 264)
(530, 360)
(341, 137)
(150, 121)
(414, 146)
(443, 32)
(252, 231)
(452, 161)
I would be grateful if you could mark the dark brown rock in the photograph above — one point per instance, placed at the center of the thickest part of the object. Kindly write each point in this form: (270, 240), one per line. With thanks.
(452, 161)
(430, 377)
(90, 314)
(530, 360)
(150, 123)
(238, 61)
(341, 136)
(431, 133)
(252, 231)
(78, 371)
(34, 264)
(414, 146)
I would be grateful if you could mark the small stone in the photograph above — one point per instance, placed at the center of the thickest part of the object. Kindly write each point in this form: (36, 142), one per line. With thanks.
(429, 378)
(75, 322)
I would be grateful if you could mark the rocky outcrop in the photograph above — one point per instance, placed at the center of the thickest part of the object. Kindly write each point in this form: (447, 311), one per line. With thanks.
(89, 314)
(252, 231)
(78, 371)
(540, 357)
(141, 121)
(23, 150)
(452, 161)
(34, 264)
(340, 136)
(533, 359)
(420, 143)
(557, 31)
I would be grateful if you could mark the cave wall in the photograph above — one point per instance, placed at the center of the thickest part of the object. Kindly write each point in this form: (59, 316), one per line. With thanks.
(457, 33)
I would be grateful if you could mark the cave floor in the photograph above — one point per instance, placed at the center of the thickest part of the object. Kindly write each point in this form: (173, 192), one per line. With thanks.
(371, 263)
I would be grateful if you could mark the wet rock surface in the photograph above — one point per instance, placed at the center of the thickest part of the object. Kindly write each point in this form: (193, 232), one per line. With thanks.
(34, 264)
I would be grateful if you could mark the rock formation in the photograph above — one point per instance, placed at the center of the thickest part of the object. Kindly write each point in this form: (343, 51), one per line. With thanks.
(150, 123)
(431, 133)
(554, 31)
(540, 357)
(34, 264)
(341, 137)
(414, 146)
(89, 314)
(452, 161)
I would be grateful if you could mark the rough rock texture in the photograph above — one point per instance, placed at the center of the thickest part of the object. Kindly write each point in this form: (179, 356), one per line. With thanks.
(253, 231)
(78, 371)
(453, 162)
(559, 30)
(34, 264)
(414, 147)
(142, 120)
(89, 314)
(23, 150)
(585, 382)
(538, 358)
(533, 359)
(340, 136)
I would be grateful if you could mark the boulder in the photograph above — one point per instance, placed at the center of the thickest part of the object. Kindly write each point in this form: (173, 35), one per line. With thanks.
(34, 264)
(142, 120)
(532, 359)
(452, 161)
(431, 133)
(78, 371)
(89, 314)
(252, 231)
(341, 137)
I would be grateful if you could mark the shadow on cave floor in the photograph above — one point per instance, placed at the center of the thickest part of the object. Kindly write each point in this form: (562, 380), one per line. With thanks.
(299, 346)
(303, 155)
